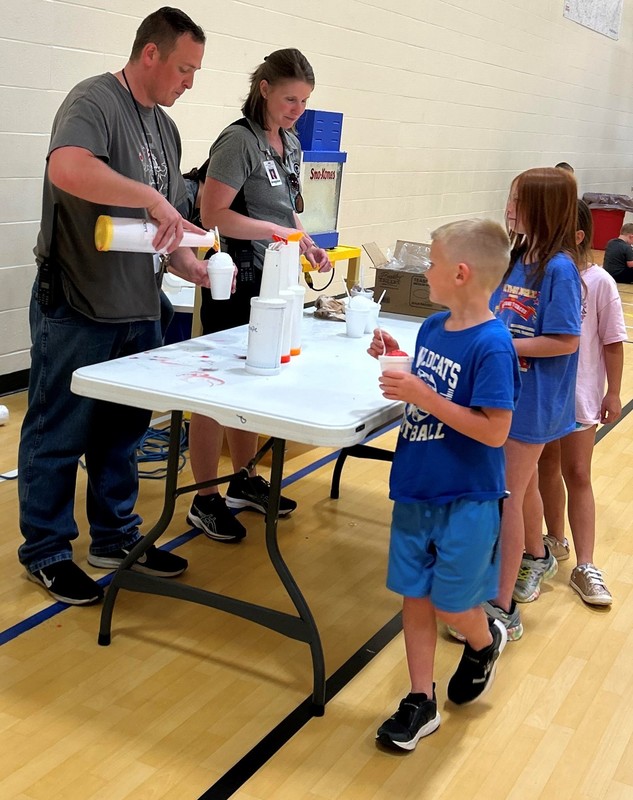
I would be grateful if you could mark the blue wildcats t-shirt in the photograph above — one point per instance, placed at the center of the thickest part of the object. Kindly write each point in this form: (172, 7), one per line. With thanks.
(546, 408)
(476, 368)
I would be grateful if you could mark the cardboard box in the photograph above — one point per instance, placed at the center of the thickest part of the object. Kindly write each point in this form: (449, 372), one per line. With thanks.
(405, 292)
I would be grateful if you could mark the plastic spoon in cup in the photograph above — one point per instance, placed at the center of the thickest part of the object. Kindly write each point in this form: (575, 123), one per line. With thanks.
(384, 348)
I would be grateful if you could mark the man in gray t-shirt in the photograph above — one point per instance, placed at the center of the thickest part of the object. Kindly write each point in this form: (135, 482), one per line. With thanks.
(113, 151)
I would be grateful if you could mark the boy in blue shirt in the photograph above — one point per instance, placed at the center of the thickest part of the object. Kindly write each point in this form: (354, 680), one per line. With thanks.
(447, 478)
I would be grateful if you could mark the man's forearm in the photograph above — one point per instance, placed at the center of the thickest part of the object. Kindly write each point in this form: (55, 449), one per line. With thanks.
(78, 172)
(182, 262)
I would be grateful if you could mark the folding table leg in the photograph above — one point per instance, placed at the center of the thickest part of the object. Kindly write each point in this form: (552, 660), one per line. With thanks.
(272, 545)
(169, 504)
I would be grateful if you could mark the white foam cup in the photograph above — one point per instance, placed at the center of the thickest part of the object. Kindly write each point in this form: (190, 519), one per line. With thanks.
(356, 320)
(399, 363)
(220, 269)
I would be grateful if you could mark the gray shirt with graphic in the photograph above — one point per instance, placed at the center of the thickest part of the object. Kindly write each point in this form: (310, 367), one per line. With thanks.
(99, 115)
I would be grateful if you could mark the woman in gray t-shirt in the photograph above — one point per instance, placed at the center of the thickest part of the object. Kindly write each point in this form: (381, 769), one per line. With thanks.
(252, 193)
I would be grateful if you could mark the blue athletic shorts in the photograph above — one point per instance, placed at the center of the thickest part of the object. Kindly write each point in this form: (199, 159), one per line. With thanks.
(446, 552)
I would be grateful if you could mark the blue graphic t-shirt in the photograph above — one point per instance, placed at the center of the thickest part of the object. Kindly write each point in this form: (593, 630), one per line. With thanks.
(546, 407)
(476, 368)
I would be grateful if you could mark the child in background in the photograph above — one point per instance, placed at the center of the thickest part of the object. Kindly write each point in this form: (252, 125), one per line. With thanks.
(539, 302)
(600, 360)
(447, 478)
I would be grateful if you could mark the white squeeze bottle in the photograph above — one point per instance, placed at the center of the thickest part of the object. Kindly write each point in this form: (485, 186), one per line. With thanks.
(265, 333)
(290, 276)
(136, 235)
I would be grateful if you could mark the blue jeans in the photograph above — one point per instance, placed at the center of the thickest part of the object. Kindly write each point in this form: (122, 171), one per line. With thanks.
(60, 427)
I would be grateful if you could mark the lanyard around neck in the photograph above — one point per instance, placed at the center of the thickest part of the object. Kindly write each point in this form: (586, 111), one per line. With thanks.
(145, 134)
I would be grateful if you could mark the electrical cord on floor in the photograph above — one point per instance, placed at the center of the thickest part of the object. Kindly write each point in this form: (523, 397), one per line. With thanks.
(154, 446)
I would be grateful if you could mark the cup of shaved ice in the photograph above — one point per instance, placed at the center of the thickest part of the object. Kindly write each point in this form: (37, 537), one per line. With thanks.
(395, 360)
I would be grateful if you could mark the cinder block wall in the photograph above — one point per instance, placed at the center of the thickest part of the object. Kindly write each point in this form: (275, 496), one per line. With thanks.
(444, 103)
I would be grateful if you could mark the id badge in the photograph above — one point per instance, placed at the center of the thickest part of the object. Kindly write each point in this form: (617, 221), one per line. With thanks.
(272, 171)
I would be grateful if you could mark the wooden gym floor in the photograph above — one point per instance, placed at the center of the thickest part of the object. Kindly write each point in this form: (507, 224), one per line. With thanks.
(176, 706)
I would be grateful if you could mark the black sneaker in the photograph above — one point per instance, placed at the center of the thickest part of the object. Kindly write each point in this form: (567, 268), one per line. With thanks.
(475, 672)
(153, 562)
(254, 493)
(413, 720)
(210, 514)
(67, 582)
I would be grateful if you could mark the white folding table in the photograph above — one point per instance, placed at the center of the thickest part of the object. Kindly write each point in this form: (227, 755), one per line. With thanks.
(327, 396)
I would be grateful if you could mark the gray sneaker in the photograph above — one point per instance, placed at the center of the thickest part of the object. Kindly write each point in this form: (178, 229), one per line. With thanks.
(587, 580)
(510, 619)
(532, 573)
(559, 549)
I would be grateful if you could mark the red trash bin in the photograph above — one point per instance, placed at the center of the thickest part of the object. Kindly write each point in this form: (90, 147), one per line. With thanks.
(607, 223)
(607, 212)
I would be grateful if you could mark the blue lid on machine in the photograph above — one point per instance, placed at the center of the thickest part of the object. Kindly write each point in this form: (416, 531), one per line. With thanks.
(320, 130)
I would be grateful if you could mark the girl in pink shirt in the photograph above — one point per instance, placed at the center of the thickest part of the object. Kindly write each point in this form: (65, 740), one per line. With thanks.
(601, 359)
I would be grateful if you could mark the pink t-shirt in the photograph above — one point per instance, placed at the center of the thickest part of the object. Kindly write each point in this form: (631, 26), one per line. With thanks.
(602, 323)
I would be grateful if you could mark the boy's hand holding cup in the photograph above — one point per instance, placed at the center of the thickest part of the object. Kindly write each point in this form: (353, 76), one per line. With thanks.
(396, 377)
(391, 359)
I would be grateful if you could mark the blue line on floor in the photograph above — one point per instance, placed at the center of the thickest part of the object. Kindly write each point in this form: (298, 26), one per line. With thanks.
(51, 611)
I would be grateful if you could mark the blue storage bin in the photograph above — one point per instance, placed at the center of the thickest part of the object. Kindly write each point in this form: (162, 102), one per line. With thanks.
(320, 130)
